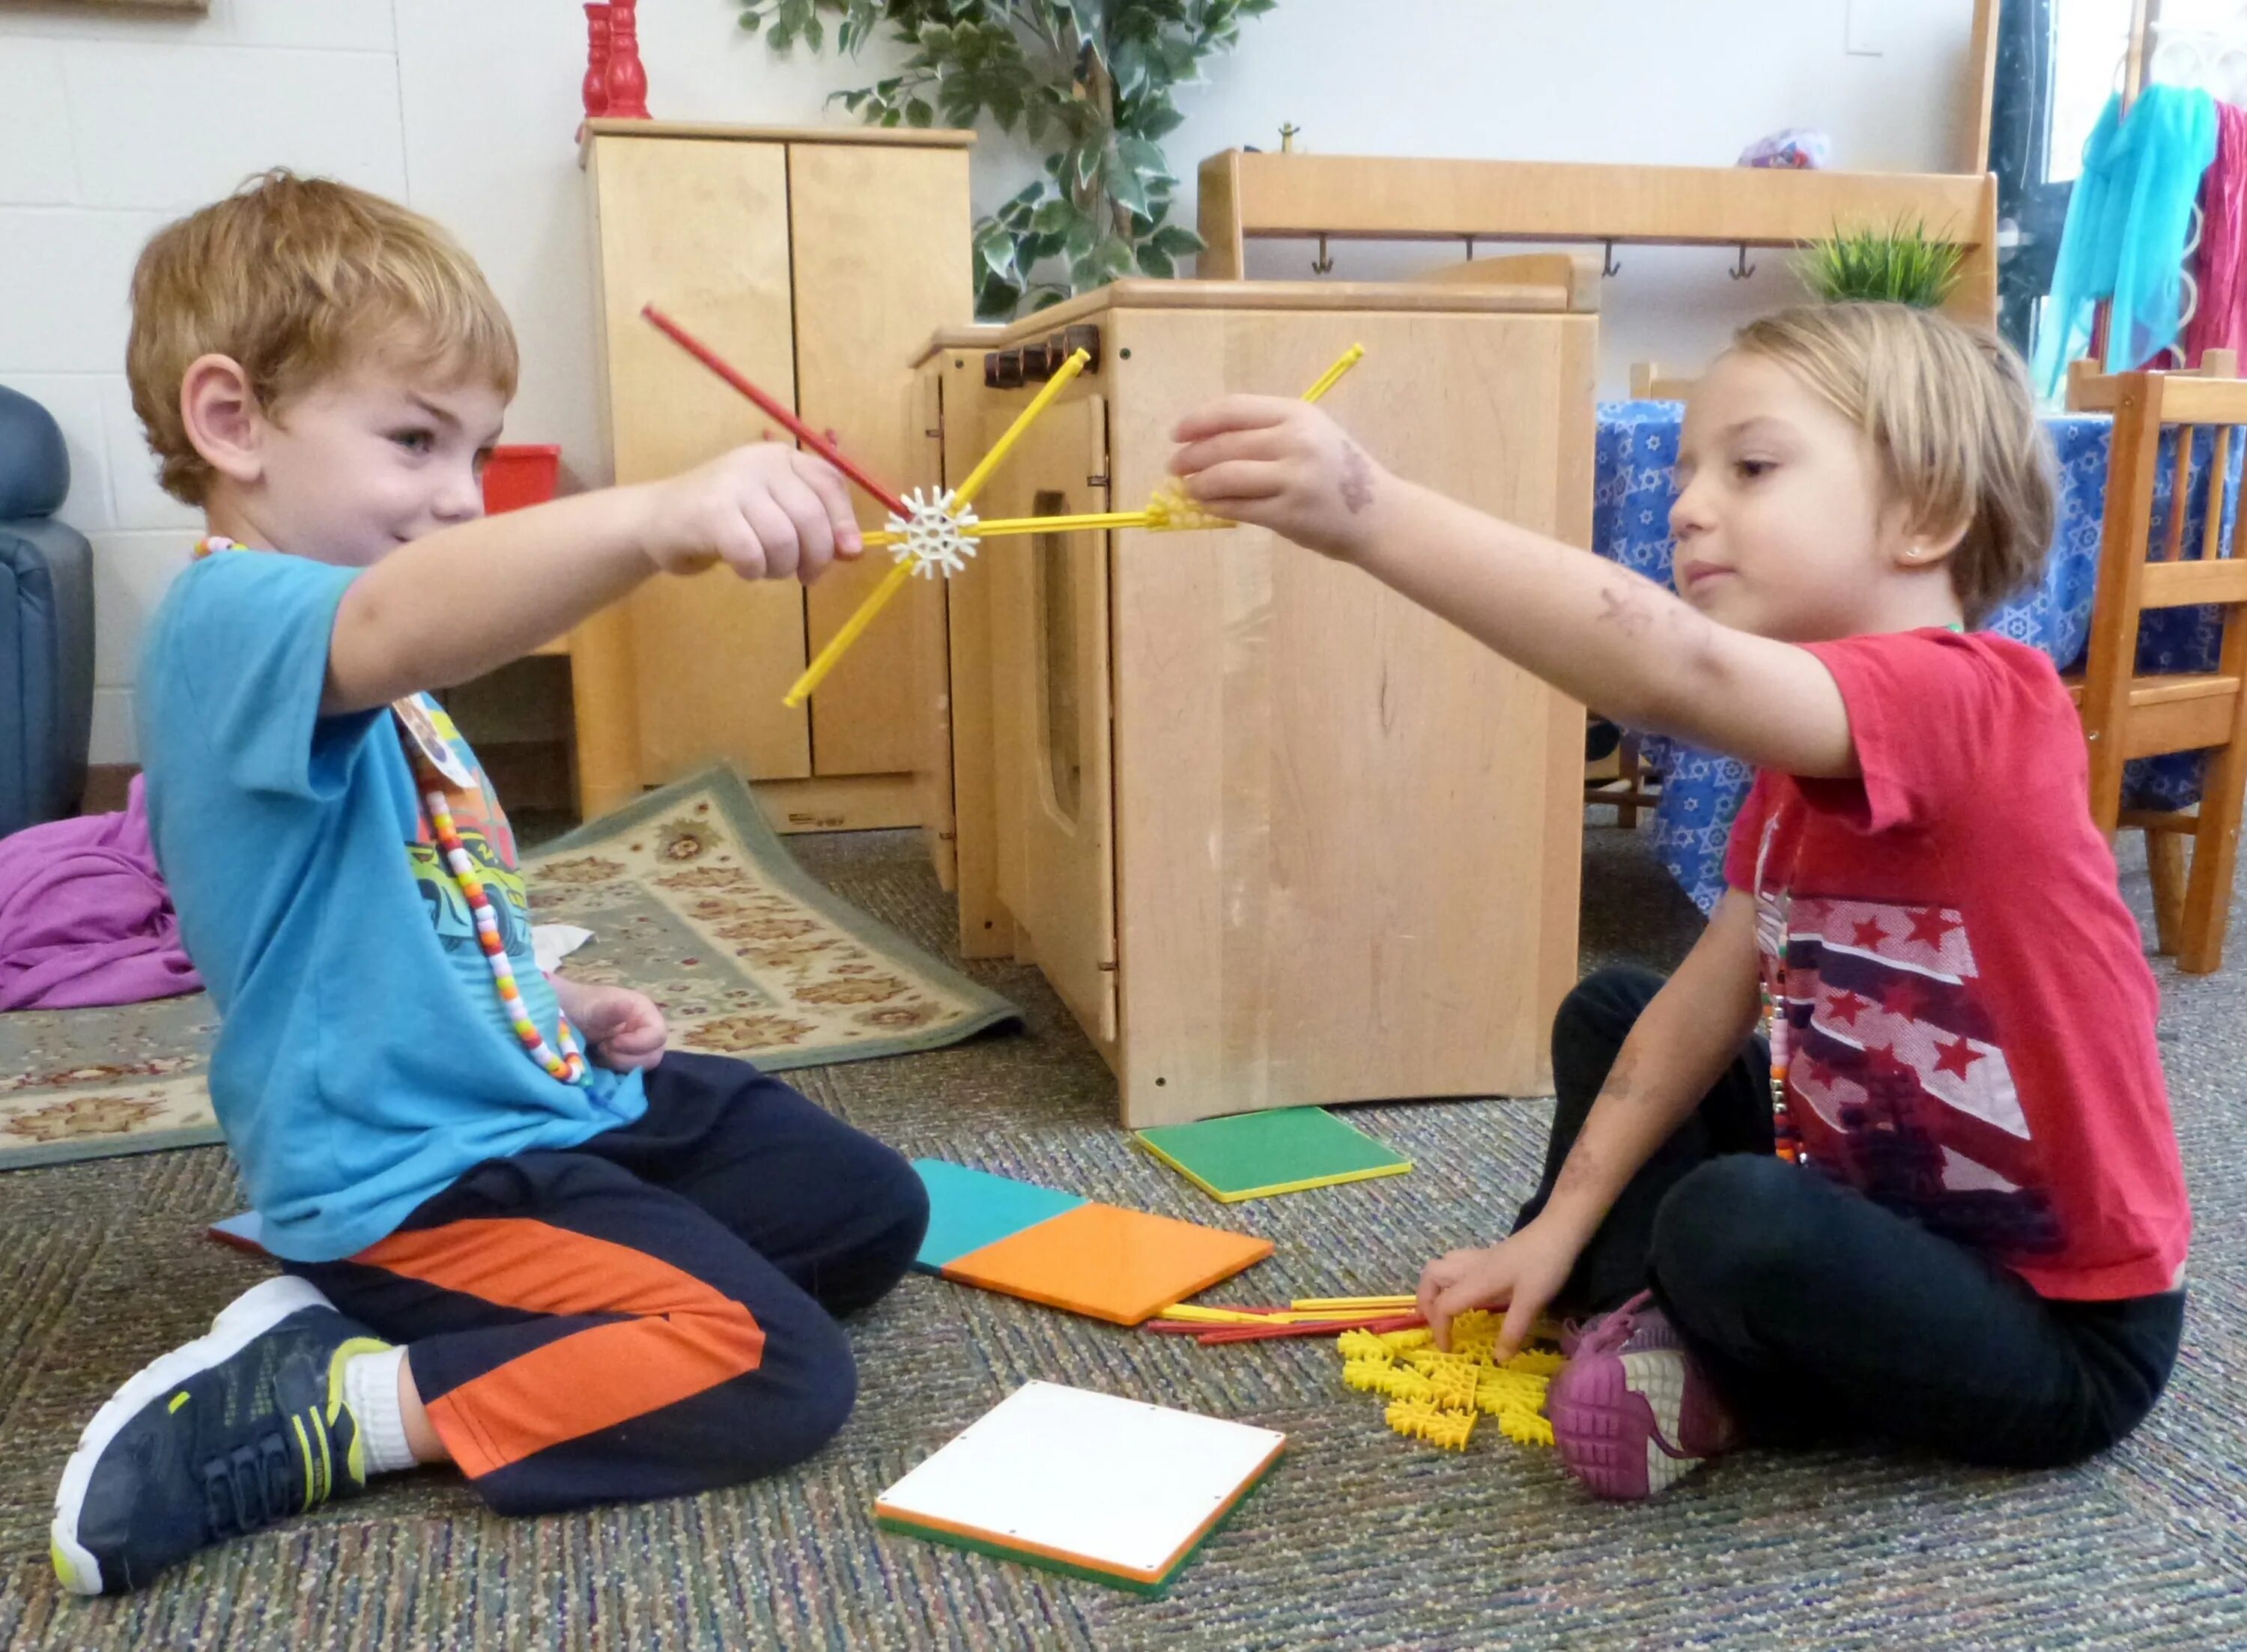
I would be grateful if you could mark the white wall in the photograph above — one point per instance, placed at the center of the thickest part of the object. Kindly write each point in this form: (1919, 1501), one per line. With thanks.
(467, 109)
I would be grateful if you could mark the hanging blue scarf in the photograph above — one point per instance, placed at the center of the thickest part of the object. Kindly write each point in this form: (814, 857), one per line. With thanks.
(2128, 222)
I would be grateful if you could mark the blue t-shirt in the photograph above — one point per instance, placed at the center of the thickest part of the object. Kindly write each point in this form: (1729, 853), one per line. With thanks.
(363, 1061)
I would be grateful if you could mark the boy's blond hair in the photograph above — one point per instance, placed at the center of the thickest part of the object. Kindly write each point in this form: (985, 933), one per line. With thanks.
(1950, 415)
(298, 279)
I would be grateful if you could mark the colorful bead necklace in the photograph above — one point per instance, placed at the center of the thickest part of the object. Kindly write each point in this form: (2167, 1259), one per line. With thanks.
(568, 1065)
(1772, 914)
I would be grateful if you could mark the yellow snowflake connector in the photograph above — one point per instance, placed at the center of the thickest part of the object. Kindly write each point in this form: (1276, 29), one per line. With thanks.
(1170, 511)
(1436, 1396)
(1452, 1381)
(1525, 1428)
(1419, 1420)
(1362, 1345)
(1367, 1376)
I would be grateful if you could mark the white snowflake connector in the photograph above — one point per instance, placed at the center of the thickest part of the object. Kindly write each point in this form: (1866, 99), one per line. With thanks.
(936, 539)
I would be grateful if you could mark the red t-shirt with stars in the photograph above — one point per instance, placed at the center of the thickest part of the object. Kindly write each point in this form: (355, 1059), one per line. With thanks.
(1970, 1012)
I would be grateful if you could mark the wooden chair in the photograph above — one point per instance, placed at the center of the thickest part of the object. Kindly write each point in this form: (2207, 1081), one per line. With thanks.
(1622, 781)
(1650, 383)
(2125, 715)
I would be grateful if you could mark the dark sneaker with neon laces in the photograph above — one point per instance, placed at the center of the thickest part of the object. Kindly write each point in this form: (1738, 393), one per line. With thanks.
(1631, 1412)
(235, 1430)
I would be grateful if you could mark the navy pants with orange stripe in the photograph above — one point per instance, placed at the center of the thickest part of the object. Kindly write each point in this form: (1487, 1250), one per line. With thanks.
(650, 1314)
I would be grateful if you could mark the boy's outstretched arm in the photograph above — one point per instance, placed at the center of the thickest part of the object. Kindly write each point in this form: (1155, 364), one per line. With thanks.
(468, 599)
(1606, 636)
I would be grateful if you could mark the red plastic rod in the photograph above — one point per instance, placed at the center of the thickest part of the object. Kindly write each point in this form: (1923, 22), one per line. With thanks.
(796, 427)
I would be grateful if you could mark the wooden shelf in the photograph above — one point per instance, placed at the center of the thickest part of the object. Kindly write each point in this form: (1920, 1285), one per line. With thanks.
(898, 137)
(1247, 196)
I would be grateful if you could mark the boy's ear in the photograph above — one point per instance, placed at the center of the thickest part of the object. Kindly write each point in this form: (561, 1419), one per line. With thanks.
(222, 417)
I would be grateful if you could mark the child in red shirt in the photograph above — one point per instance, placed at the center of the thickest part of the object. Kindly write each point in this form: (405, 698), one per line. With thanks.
(1959, 1222)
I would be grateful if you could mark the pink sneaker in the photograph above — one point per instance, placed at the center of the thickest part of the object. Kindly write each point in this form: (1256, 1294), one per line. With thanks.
(1631, 1412)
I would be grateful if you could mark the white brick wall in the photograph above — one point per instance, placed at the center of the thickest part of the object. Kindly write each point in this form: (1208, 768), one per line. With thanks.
(117, 120)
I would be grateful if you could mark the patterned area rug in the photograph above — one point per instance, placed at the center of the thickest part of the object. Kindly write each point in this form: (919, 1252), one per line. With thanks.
(1359, 1541)
(692, 898)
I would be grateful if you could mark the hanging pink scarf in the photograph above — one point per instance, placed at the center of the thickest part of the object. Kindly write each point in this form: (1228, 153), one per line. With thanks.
(85, 917)
(2220, 321)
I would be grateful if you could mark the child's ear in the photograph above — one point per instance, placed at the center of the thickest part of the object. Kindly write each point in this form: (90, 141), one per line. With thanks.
(1927, 544)
(222, 417)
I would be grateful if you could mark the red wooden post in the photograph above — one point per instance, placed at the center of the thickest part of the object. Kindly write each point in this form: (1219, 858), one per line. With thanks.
(596, 88)
(627, 80)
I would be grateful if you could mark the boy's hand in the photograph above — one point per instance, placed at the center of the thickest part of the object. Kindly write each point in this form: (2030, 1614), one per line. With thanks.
(767, 511)
(1520, 1274)
(623, 1028)
(1286, 466)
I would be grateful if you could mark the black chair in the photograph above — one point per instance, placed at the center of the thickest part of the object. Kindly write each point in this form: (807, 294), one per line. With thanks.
(46, 625)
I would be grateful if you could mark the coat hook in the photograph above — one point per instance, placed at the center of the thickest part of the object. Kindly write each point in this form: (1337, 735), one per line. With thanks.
(1610, 267)
(1741, 268)
(1321, 264)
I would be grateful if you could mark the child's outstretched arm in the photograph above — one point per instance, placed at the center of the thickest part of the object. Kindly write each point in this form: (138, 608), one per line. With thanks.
(1606, 636)
(465, 600)
(1693, 1028)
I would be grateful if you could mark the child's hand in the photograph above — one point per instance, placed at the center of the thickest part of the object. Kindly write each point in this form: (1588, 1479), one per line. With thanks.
(1520, 1274)
(1282, 465)
(767, 511)
(624, 1028)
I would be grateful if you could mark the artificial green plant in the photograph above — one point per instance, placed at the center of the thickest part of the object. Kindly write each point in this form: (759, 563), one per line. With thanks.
(1091, 82)
(1901, 265)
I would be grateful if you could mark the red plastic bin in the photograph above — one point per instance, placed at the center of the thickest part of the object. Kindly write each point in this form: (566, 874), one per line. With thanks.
(515, 476)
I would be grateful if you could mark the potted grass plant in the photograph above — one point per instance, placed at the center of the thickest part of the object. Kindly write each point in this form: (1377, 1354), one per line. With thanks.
(1901, 265)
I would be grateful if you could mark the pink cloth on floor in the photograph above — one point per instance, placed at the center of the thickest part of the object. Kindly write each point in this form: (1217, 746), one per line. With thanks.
(85, 917)
(2220, 320)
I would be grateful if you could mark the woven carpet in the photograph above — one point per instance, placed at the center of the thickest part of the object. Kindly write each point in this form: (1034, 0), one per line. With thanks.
(691, 897)
(1359, 1539)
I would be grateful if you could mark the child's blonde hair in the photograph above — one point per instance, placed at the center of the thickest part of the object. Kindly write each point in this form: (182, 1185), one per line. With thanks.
(1950, 414)
(297, 279)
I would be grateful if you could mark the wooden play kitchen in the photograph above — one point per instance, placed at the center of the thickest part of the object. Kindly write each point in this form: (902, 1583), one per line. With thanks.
(1276, 835)
(817, 261)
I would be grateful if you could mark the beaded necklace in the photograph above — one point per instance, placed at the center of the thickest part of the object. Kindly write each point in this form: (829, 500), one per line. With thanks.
(416, 733)
(1772, 913)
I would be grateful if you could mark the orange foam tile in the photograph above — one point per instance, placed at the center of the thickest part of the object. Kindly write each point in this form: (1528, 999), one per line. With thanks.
(1111, 1264)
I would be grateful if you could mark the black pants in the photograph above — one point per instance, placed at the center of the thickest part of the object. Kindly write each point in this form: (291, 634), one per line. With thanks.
(652, 1313)
(1821, 1315)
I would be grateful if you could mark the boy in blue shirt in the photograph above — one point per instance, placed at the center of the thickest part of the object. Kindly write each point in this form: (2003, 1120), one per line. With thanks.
(516, 1235)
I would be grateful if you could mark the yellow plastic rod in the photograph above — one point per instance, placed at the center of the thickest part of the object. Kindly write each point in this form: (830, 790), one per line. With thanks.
(853, 628)
(1003, 527)
(1353, 1301)
(1194, 1314)
(1344, 363)
(1028, 416)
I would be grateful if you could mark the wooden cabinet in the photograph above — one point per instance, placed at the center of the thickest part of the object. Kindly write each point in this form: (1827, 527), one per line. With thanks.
(1275, 835)
(816, 262)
